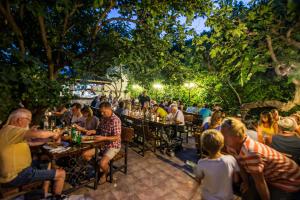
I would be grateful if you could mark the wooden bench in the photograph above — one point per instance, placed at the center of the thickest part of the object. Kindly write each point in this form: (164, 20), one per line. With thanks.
(12, 192)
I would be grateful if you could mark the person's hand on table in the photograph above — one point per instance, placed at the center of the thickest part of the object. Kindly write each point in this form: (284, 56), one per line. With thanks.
(57, 133)
(91, 132)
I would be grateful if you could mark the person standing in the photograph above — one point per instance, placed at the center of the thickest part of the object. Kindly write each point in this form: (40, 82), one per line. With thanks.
(143, 98)
(205, 114)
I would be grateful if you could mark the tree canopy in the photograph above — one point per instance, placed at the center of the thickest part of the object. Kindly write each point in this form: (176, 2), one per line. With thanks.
(245, 49)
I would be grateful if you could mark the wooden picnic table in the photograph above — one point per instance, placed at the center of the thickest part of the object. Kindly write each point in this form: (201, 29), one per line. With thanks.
(78, 170)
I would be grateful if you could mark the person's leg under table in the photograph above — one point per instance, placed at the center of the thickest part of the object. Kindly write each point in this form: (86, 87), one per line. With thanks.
(104, 162)
(31, 174)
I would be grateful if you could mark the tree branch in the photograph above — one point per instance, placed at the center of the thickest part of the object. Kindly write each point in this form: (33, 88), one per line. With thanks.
(290, 40)
(46, 46)
(234, 90)
(121, 19)
(7, 14)
(68, 15)
(270, 47)
(104, 14)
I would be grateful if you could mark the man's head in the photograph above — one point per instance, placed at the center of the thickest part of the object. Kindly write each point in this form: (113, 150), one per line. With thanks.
(76, 108)
(87, 111)
(144, 93)
(155, 107)
(266, 117)
(20, 118)
(234, 132)
(174, 108)
(212, 141)
(105, 109)
(287, 125)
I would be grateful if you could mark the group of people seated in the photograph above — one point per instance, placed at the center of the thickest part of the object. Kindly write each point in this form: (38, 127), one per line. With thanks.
(16, 164)
(262, 162)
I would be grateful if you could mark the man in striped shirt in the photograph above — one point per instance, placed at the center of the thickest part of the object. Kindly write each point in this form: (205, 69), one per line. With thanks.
(275, 176)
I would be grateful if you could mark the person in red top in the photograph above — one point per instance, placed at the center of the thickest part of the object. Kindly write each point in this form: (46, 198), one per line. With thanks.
(275, 176)
(109, 130)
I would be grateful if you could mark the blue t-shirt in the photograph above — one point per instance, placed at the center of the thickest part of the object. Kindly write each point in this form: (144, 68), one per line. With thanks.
(206, 126)
(204, 112)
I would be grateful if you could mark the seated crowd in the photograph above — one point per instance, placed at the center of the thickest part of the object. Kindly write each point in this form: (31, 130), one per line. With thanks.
(17, 167)
(261, 162)
(264, 161)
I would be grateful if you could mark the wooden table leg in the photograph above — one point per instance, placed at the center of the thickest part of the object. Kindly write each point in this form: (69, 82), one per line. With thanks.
(96, 169)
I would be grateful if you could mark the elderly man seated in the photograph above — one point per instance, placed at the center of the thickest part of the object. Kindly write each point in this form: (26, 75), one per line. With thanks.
(286, 141)
(16, 167)
(176, 115)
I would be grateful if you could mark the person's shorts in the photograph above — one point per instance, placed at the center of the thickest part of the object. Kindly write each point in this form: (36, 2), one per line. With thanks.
(36, 172)
(111, 152)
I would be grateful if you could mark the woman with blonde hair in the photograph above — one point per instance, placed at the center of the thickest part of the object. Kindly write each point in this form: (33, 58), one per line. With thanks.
(88, 121)
(215, 122)
(266, 127)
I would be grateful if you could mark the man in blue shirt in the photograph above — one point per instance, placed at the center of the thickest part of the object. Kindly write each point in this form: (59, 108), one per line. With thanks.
(204, 113)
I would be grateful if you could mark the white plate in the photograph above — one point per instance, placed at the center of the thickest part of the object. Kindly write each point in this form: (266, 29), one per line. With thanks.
(47, 147)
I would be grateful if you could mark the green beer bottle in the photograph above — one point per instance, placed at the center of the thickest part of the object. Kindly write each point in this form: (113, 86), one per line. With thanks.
(78, 138)
(73, 134)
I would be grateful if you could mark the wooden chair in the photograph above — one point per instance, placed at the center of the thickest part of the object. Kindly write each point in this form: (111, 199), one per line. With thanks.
(152, 137)
(126, 137)
(189, 119)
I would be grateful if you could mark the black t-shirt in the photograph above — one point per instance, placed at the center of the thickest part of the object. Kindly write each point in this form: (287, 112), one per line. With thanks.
(143, 99)
(287, 144)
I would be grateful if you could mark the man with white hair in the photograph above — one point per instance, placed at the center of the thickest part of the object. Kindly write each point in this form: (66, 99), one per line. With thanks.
(175, 115)
(16, 167)
(286, 141)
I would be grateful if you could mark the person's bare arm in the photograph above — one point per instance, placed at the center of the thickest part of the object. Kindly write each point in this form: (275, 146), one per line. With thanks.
(79, 128)
(33, 144)
(275, 126)
(33, 133)
(100, 138)
(261, 186)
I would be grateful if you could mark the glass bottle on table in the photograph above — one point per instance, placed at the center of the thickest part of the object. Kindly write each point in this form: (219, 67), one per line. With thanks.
(46, 123)
(78, 138)
(73, 133)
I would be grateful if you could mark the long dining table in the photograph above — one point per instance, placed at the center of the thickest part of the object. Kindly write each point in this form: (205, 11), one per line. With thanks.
(160, 126)
(79, 172)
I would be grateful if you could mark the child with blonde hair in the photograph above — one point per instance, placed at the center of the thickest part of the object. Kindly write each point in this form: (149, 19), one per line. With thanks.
(215, 173)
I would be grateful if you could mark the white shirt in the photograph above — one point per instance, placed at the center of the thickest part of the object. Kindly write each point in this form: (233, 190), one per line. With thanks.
(178, 116)
(216, 175)
(252, 134)
(206, 119)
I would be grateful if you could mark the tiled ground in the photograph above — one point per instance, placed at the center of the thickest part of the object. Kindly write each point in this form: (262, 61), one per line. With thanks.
(155, 176)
